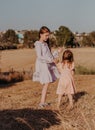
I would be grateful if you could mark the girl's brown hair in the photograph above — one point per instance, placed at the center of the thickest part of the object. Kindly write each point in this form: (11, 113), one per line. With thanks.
(67, 56)
(43, 30)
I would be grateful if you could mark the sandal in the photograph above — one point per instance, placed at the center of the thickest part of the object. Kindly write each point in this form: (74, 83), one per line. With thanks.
(47, 104)
(41, 106)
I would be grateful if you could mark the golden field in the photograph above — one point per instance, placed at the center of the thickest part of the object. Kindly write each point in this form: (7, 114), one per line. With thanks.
(25, 58)
(19, 101)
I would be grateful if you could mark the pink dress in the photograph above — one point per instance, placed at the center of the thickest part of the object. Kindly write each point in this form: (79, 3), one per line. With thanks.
(66, 83)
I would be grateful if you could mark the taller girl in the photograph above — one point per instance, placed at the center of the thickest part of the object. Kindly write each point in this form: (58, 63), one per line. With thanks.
(45, 68)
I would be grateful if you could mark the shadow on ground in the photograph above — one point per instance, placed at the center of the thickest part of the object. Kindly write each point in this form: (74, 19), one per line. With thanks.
(78, 95)
(28, 119)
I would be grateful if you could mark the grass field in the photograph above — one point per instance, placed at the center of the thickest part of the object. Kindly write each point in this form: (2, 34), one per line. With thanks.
(19, 101)
(25, 58)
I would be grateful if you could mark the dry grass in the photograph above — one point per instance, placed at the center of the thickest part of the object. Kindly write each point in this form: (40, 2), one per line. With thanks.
(17, 59)
(84, 71)
(85, 57)
(19, 101)
(25, 58)
(13, 76)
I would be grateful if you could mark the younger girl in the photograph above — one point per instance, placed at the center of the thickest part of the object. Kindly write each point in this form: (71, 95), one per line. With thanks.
(66, 82)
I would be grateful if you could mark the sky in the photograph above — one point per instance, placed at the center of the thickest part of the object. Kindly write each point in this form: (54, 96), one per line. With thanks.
(77, 15)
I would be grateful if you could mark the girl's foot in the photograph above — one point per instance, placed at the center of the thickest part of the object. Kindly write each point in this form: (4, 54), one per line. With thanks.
(47, 104)
(43, 105)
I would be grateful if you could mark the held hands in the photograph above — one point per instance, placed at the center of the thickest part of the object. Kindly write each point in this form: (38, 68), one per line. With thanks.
(56, 54)
(56, 60)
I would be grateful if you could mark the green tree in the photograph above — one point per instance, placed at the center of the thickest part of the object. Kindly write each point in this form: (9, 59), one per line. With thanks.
(64, 36)
(53, 40)
(10, 36)
(92, 37)
(89, 40)
(86, 41)
(30, 37)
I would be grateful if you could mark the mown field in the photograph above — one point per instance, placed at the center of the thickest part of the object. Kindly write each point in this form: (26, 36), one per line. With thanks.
(19, 101)
(25, 58)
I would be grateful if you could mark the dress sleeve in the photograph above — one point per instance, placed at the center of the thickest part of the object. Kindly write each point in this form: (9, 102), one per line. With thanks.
(42, 58)
(55, 54)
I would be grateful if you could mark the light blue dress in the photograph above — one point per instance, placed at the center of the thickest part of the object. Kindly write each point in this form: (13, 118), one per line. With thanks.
(45, 69)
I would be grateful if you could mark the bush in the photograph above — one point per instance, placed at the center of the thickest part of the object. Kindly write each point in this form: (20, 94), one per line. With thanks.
(13, 76)
(10, 36)
(83, 70)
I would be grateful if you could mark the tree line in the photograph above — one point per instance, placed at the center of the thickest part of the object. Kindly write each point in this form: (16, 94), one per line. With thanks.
(63, 36)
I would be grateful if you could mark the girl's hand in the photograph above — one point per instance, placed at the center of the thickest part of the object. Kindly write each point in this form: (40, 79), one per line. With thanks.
(60, 49)
(56, 61)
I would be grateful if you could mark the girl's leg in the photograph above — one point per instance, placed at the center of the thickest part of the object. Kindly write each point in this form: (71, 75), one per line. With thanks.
(70, 100)
(44, 93)
(59, 100)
